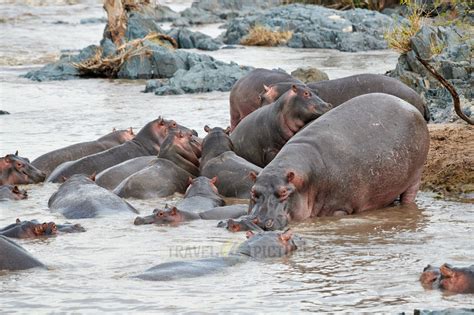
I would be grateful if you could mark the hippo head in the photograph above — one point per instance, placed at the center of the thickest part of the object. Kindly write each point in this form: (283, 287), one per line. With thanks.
(216, 141)
(269, 244)
(244, 224)
(202, 186)
(19, 170)
(301, 106)
(457, 280)
(273, 92)
(161, 216)
(34, 229)
(430, 277)
(126, 135)
(183, 149)
(17, 193)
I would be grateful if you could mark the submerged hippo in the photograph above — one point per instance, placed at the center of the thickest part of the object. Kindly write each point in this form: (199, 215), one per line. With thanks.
(245, 223)
(146, 142)
(112, 176)
(201, 195)
(17, 170)
(33, 228)
(14, 257)
(166, 175)
(49, 161)
(80, 197)
(245, 94)
(12, 192)
(449, 278)
(341, 90)
(363, 155)
(232, 171)
(175, 216)
(258, 246)
(260, 136)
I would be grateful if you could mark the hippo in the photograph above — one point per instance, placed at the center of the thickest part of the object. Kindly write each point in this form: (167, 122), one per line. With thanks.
(449, 278)
(146, 142)
(232, 171)
(175, 216)
(201, 195)
(244, 224)
(245, 94)
(114, 175)
(362, 155)
(17, 170)
(80, 197)
(341, 90)
(33, 228)
(168, 174)
(265, 245)
(260, 136)
(49, 161)
(14, 257)
(12, 192)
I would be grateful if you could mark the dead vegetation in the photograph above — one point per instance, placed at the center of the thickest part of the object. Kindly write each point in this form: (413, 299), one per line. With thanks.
(262, 36)
(378, 5)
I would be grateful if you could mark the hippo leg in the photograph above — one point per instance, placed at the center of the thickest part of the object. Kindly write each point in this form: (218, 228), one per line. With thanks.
(409, 195)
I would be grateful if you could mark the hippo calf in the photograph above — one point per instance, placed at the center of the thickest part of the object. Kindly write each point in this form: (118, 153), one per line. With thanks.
(33, 228)
(17, 170)
(80, 197)
(260, 136)
(14, 257)
(12, 192)
(449, 278)
(49, 161)
(258, 246)
(201, 195)
(362, 155)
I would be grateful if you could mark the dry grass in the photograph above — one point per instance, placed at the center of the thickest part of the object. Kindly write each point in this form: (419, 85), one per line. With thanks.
(347, 4)
(97, 66)
(262, 36)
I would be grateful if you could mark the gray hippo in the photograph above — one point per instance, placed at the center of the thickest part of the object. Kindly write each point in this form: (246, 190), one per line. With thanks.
(17, 170)
(114, 175)
(146, 142)
(265, 245)
(201, 195)
(341, 90)
(49, 161)
(33, 229)
(260, 136)
(14, 257)
(362, 155)
(168, 174)
(449, 278)
(232, 171)
(245, 94)
(79, 197)
(175, 216)
(12, 192)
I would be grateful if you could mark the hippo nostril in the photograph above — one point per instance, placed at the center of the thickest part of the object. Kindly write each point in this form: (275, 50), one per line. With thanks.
(269, 223)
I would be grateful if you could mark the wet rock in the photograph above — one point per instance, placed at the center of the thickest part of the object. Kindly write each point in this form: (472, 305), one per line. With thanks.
(309, 74)
(140, 25)
(152, 86)
(188, 39)
(93, 20)
(163, 13)
(317, 27)
(451, 58)
(448, 311)
(108, 47)
(4, 112)
(196, 15)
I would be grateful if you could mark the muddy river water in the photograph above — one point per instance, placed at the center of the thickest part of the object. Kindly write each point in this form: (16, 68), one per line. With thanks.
(369, 262)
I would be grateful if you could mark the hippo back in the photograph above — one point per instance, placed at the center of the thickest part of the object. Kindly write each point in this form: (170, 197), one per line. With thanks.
(15, 257)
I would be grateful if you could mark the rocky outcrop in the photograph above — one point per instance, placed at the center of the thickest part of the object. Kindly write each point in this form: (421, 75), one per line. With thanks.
(309, 74)
(317, 27)
(449, 51)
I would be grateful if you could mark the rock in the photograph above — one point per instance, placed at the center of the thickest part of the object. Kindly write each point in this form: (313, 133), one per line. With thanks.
(309, 74)
(317, 27)
(108, 47)
(4, 112)
(188, 39)
(152, 86)
(198, 16)
(453, 62)
(448, 311)
(140, 25)
(169, 90)
(164, 14)
(93, 20)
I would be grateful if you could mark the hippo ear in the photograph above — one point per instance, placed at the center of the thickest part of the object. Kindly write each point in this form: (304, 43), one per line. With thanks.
(266, 88)
(294, 88)
(249, 234)
(214, 180)
(253, 176)
(294, 179)
(130, 131)
(18, 220)
(207, 128)
(15, 189)
(7, 158)
(63, 178)
(227, 130)
(174, 211)
(92, 177)
(190, 181)
(286, 236)
(16, 153)
(114, 129)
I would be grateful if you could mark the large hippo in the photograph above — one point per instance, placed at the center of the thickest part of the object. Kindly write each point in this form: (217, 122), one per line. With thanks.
(364, 154)
(114, 175)
(17, 170)
(341, 90)
(265, 245)
(201, 195)
(260, 136)
(49, 161)
(449, 278)
(175, 216)
(79, 197)
(245, 94)
(15, 257)
(12, 192)
(146, 142)
(168, 174)
(232, 171)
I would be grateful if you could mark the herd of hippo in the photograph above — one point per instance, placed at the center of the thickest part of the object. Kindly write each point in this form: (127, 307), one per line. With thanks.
(295, 151)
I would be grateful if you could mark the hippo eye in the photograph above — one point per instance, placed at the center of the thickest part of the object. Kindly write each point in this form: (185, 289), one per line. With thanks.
(173, 124)
(19, 165)
(160, 214)
(306, 93)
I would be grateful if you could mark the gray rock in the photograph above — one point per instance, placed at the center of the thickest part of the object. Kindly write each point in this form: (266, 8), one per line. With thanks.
(309, 74)
(169, 90)
(152, 86)
(4, 112)
(164, 14)
(188, 39)
(108, 47)
(139, 26)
